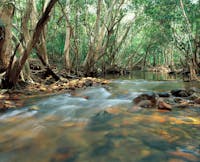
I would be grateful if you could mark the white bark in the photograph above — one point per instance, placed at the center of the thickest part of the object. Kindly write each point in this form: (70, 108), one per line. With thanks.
(67, 41)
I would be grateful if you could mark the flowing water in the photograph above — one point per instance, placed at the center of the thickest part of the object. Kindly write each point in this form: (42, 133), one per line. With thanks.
(95, 125)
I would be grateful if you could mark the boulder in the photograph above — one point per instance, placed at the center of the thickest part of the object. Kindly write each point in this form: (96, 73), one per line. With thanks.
(197, 101)
(193, 90)
(145, 104)
(134, 108)
(163, 94)
(146, 96)
(194, 96)
(164, 106)
(183, 105)
(180, 93)
(170, 100)
(178, 100)
(146, 100)
(34, 108)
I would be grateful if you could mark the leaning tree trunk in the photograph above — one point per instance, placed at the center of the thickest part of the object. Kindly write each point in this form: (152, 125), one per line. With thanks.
(26, 74)
(6, 14)
(41, 44)
(12, 78)
(42, 41)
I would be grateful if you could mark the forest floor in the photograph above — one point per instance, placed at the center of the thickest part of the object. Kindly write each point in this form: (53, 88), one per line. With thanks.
(43, 85)
(14, 98)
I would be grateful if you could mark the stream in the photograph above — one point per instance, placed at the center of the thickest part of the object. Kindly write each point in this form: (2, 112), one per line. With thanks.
(94, 125)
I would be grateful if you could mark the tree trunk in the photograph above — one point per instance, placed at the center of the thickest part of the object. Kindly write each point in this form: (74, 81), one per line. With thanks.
(13, 77)
(145, 61)
(66, 50)
(93, 51)
(193, 74)
(6, 14)
(67, 42)
(154, 59)
(145, 56)
(41, 44)
(2, 40)
(190, 61)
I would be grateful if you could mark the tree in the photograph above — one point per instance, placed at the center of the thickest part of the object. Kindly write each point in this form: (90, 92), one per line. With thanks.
(6, 15)
(13, 72)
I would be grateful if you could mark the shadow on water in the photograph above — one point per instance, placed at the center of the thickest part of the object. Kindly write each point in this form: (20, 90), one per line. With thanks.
(94, 124)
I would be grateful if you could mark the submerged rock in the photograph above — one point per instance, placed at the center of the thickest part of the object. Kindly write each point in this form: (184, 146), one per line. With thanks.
(102, 116)
(102, 148)
(100, 121)
(63, 154)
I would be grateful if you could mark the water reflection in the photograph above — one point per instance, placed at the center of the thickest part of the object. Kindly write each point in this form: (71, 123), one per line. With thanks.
(145, 76)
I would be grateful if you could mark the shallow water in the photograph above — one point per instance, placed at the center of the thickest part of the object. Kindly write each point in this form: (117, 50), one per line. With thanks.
(95, 125)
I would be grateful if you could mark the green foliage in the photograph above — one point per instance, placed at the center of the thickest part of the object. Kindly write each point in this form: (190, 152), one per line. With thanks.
(157, 26)
(1, 23)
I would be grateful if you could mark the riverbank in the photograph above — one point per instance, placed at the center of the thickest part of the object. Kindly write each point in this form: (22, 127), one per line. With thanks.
(14, 98)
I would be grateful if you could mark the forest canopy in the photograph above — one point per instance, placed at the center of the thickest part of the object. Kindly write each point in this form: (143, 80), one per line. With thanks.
(86, 37)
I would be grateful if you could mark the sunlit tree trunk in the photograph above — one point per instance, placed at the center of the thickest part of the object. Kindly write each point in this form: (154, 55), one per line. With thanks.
(41, 44)
(67, 41)
(92, 48)
(190, 57)
(104, 29)
(13, 75)
(71, 34)
(26, 74)
(116, 47)
(6, 15)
